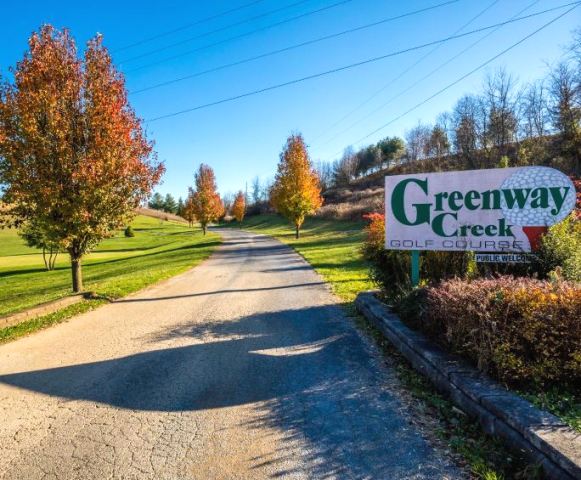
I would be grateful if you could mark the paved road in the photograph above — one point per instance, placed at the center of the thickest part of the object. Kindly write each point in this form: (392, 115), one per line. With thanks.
(244, 367)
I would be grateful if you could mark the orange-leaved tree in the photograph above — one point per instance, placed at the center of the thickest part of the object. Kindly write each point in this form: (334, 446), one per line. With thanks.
(296, 192)
(188, 211)
(207, 205)
(74, 160)
(239, 207)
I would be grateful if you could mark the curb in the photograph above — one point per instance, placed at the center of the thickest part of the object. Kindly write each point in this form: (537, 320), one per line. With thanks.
(543, 437)
(40, 310)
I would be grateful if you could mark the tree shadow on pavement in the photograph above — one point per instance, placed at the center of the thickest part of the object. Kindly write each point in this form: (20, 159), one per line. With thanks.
(306, 372)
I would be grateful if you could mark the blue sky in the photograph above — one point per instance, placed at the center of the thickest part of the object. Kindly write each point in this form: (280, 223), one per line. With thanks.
(243, 138)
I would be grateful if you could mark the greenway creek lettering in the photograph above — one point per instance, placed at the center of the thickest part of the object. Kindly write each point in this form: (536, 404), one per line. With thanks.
(445, 206)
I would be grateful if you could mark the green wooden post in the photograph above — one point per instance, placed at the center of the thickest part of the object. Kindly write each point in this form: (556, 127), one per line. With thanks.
(415, 268)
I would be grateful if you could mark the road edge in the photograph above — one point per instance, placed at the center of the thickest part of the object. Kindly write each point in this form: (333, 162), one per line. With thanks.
(543, 437)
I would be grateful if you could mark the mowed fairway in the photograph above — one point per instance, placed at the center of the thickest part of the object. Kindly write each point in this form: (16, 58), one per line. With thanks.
(332, 247)
(117, 267)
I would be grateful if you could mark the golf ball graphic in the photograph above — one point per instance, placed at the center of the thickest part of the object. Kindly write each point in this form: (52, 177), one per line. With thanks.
(535, 221)
(537, 177)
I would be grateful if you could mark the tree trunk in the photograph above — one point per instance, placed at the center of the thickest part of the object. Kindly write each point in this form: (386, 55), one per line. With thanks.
(46, 265)
(52, 259)
(77, 274)
(297, 231)
(204, 228)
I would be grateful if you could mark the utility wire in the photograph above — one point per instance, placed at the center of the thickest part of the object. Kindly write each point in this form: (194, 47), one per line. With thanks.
(242, 35)
(376, 59)
(186, 27)
(292, 47)
(471, 72)
(211, 32)
(401, 74)
(425, 77)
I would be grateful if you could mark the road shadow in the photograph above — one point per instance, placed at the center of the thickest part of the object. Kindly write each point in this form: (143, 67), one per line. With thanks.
(306, 372)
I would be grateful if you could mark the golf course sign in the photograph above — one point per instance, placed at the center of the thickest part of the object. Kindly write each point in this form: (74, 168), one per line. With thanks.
(495, 210)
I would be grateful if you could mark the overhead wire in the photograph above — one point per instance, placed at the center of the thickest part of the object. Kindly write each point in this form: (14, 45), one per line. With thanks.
(401, 74)
(425, 77)
(292, 47)
(185, 27)
(471, 72)
(378, 58)
(241, 35)
(212, 32)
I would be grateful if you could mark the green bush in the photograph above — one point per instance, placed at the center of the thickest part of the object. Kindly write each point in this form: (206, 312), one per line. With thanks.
(390, 269)
(561, 249)
(524, 332)
(129, 233)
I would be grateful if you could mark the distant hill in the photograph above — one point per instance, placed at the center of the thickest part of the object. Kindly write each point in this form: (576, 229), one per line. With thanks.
(150, 212)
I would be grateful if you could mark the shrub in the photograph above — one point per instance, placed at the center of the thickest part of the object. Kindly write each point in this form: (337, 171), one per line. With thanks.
(561, 248)
(390, 269)
(129, 232)
(522, 331)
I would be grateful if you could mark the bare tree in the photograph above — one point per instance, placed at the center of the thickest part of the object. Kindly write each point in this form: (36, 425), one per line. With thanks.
(565, 110)
(500, 108)
(325, 172)
(534, 111)
(345, 169)
(465, 124)
(438, 144)
(417, 140)
(256, 190)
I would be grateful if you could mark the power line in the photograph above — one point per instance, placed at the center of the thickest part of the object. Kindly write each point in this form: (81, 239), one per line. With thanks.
(292, 47)
(361, 63)
(393, 80)
(186, 27)
(471, 72)
(242, 35)
(211, 32)
(425, 77)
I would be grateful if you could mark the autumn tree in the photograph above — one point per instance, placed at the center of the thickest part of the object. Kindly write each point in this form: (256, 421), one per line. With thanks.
(296, 192)
(74, 160)
(239, 207)
(206, 202)
(188, 210)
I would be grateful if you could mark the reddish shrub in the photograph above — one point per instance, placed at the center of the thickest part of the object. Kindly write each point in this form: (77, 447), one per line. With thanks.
(518, 330)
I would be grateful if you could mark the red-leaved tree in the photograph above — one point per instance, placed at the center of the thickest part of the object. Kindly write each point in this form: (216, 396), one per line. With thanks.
(74, 159)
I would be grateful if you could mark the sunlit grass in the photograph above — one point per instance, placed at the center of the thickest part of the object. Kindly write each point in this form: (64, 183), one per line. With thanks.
(118, 266)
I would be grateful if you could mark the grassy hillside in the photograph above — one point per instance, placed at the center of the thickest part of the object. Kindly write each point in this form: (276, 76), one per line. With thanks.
(330, 246)
(118, 266)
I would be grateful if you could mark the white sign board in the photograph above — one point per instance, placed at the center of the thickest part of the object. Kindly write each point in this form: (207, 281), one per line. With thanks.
(496, 210)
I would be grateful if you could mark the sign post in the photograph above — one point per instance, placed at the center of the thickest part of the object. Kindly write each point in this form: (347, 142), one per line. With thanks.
(415, 268)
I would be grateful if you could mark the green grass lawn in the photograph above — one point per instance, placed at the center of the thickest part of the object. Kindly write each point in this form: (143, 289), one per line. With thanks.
(332, 247)
(117, 267)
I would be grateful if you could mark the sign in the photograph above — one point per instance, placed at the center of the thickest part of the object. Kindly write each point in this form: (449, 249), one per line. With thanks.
(504, 258)
(495, 210)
